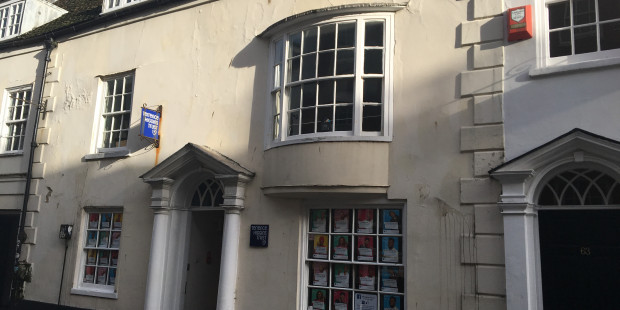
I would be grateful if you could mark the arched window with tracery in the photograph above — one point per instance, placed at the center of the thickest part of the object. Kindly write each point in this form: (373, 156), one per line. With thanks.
(578, 187)
(209, 193)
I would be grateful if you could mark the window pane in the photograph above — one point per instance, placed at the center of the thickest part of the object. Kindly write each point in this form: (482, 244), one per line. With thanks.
(117, 103)
(583, 12)
(326, 64)
(374, 34)
(129, 84)
(119, 86)
(294, 70)
(116, 123)
(345, 62)
(115, 139)
(307, 120)
(344, 118)
(108, 123)
(110, 88)
(585, 40)
(106, 140)
(373, 61)
(371, 119)
(295, 97)
(328, 37)
(102, 275)
(126, 102)
(610, 35)
(346, 35)
(345, 90)
(559, 43)
(294, 45)
(373, 90)
(559, 15)
(293, 120)
(325, 119)
(309, 66)
(108, 104)
(278, 52)
(608, 9)
(326, 92)
(310, 40)
(125, 124)
(309, 95)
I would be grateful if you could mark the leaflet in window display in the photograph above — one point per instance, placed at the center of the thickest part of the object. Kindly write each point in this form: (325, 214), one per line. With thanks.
(93, 220)
(118, 221)
(367, 275)
(342, 275)
(391, 302)
(112, 278)
(391, 221)
(320, 273)
(91, 239)
(91, 259)
(318, 298)
(365, 248)
(89, 274)
(105, 220)
(366, 301)
(318, 220)
(104, 258)
(116, 239)
(103, 239)
(341, 220)
(392, 278)
(341, 247)
(341, 300)
(390, 249)
(319, 246)
(365, 221)
(102, 275)
(114, 258)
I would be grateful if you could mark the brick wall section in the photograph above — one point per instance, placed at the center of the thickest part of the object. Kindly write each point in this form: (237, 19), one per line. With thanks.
(483, 248)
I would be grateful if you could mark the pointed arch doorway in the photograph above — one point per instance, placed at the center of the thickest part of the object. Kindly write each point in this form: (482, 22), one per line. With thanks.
(193, 187)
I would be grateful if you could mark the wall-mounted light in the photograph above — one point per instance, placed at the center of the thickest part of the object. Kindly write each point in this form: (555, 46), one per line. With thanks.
(65, 231)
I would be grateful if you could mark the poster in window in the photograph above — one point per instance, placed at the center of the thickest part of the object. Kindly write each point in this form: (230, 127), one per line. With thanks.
(341, 247)
(391, 302)
(341, 220)
(341, 300)
(116, 239)
(365, 248)
(89, 274)
(106, 219)
(320, 247)
(390, 278)
(389, 249)
(91, 258)
(391, 221)
(112, 278)
(318, 221)
(117, 223)
(342, 275)
(93, 220)
(365, 221)
(91, 238)
(318, 297)
(114, 258)
(103, 239)
(366, 301)
(102, 275)
(104, 258)
(367, 276)
(319, 273)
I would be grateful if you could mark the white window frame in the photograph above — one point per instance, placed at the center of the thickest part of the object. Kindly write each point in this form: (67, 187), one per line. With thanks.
(113, 5)
(93, 289)
(101, 115)
(11, 18)
(4, 119)
(305, 261)
(282, 100)
(593, 59)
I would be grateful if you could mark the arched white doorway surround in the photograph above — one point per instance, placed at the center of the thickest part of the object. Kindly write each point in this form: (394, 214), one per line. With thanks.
(174, 182)
(522, 180)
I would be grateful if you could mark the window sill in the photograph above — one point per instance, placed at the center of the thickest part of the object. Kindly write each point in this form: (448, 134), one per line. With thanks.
(94, 293)
(275, 144)
(107, 155)
(574, 67)
(12, 154)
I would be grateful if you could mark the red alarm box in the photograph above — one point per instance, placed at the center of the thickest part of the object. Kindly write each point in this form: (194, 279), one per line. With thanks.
(520, 23)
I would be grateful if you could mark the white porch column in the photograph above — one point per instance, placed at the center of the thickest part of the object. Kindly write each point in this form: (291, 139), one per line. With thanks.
(234, 196)
(159, 243)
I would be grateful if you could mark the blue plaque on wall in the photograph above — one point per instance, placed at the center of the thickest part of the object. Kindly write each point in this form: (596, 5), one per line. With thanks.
(259, 236)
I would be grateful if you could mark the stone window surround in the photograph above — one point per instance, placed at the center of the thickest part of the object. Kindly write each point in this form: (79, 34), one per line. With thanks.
(522, 179)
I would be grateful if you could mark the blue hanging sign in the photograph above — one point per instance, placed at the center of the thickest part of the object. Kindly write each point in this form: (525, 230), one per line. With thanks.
(149, 124)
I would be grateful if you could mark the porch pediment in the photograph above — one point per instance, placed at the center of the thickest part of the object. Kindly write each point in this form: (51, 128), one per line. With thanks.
(193, 156)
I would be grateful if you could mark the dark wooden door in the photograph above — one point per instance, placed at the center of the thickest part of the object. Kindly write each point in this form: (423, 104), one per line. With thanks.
(8, 240)
(580, 256)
